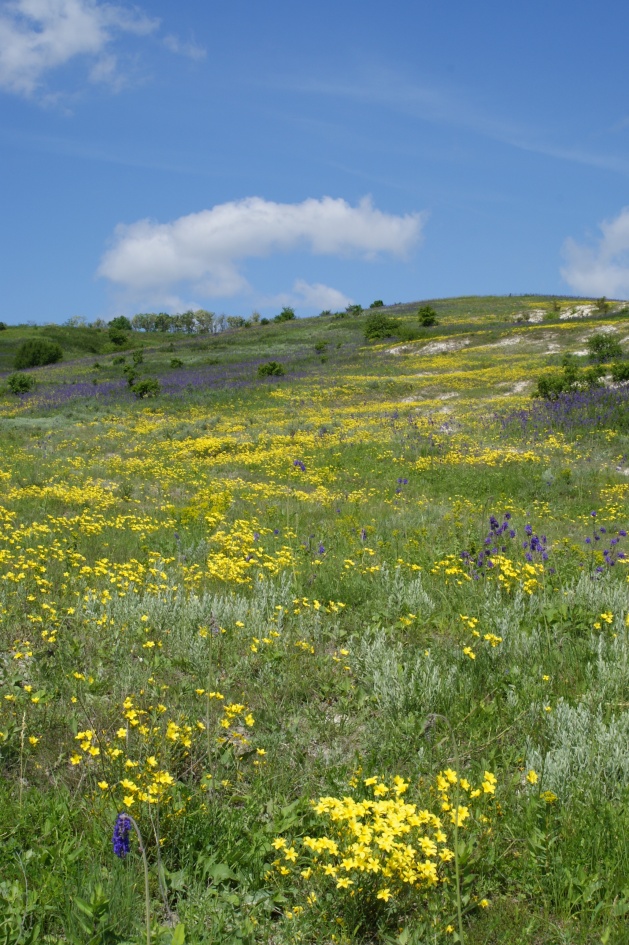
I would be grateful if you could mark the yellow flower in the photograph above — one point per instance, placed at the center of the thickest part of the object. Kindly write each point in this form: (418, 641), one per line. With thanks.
(344, 883)
(75, 759)
(384, 894)
(532, 777)
(469, 652)
(128, 801)
(33, 740)
(103, 785)
(484, 903)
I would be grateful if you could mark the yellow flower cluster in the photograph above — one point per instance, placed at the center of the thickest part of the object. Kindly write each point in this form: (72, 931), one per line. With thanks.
(381, 844)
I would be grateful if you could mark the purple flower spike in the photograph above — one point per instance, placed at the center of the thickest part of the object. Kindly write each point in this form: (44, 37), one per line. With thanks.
(120, 838)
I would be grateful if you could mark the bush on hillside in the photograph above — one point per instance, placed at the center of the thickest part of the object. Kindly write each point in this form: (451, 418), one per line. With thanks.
(36, 353)
(271, 369)
(354, 309)
(380, 326)
(620, 372)
(552, 384)
(3, 327)
(286, 315)
(20, 383)
(122, 323)
(603, 348)
(378, 303)
(149, 387)
(117, 336)
(427, 316)
(176, 362)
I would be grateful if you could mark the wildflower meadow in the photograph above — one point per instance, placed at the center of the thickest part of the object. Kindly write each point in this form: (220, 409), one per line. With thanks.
(317, 633)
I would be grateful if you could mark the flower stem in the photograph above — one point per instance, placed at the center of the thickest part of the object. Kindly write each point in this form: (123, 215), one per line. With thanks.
(147, 894)
(457, 872)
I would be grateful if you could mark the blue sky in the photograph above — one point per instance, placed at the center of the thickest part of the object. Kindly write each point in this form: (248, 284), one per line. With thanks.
(248, 156)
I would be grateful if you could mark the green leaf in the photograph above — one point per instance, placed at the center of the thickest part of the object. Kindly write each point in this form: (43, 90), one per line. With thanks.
(179, 935)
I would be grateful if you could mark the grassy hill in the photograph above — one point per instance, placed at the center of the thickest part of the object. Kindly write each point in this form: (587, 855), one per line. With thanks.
(350, 643)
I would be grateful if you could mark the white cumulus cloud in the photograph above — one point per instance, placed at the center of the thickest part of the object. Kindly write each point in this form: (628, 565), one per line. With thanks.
(37, 36)
(207, 249)
(603, 268)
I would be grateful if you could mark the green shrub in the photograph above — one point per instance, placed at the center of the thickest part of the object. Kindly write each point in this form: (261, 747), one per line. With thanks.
(427, 316)
(137, 357)
(20, 383)
(271, 369)
(286, 315)
(120, 359)
(354, 309)
(3, 327)
(36, 353)
(149, 387)
(554, 383)
(122, 323)
(551, 385)
(380, 326)
(603, 348)
(377, 304)
(620, 372)
(130, 374)
(265, 321)
(321, 346)
(117, 336)
(176, 362)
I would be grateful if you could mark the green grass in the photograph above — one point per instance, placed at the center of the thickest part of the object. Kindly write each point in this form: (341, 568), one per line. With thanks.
(155, 550)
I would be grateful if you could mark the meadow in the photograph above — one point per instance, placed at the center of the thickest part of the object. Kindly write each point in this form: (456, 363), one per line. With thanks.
(350, 645)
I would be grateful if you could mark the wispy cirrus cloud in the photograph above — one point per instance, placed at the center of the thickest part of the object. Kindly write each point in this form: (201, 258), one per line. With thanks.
(206, 251)
(601, 268)
(453, 107)
(182, 47)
